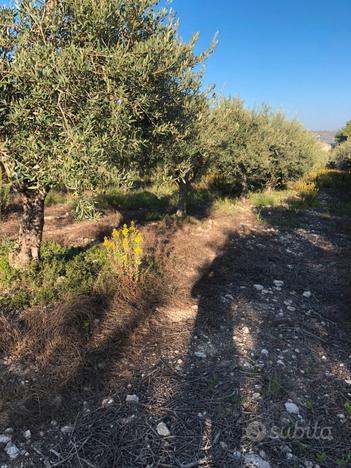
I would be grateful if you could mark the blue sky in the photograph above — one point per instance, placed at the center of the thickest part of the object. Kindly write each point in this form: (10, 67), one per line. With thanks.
(291, 54)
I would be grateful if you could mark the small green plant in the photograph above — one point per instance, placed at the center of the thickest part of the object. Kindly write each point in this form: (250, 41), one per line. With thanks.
(85, 208)
(347, 407)
(275, 387)
(344, 461)
(321, 457)
(309, 405)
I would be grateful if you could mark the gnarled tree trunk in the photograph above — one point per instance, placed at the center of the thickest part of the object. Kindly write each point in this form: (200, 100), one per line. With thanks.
(182, 198)
(31, 230)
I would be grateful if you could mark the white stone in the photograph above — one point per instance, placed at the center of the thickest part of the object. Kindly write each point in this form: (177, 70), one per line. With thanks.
(27, 434)
(307, 294)
(67, 429)
(291, 408)
(348, 382)
(278, 283)
(12, 451)
(200, 354)
(107, 402)
(264, 352)
(4, 439)
(256, 461)
(132, 399)
(259, 287)
(236, 455)
(163, 430)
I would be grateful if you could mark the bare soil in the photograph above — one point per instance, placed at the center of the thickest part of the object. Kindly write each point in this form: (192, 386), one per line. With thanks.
(255, 316)
(61, 226)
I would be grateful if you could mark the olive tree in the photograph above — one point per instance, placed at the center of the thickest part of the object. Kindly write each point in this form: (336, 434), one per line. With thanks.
(185, 155)
(181, 152)
(82, 89)
(342, 155)
(256, 148)
(238, 144)
(292, 150)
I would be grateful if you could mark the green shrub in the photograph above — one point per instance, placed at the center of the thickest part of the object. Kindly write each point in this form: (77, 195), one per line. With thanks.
(63, 271)
(342, 155)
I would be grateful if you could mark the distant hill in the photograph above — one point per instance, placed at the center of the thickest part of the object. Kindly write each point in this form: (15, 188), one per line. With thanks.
(326, 136)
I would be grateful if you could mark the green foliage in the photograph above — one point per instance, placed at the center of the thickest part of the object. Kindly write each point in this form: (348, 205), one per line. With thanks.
(73, 104)
(237, 144)
(256, 148)
(88, 89)
(345, 461)
(135, 200)
(344, 134)
(321, 457)
(347, 407)
(85, 207)
(63, 271)
(342, 155)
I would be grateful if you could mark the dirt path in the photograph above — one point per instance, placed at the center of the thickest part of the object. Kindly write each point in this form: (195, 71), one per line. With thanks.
(249, 363)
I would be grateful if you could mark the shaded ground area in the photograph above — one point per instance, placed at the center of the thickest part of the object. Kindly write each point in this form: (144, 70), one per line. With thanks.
(248, 362)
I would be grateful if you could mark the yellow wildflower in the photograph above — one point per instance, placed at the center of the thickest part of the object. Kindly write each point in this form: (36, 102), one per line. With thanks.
(125, 244)
(138, 238)
(138, 251)
(125, 230)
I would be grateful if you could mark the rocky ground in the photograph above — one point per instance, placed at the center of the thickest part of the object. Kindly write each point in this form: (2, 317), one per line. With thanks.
(249, 364)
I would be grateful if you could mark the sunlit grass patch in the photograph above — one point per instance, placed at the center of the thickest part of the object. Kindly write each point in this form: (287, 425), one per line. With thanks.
(155, 203)
(270, 198)
(225, 205)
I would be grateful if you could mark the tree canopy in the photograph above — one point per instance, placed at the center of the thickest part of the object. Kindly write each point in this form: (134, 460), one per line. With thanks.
(86, 85)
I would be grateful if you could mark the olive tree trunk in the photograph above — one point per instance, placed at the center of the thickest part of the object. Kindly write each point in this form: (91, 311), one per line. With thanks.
(244, 188)
(31, 230)
(182, 198)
